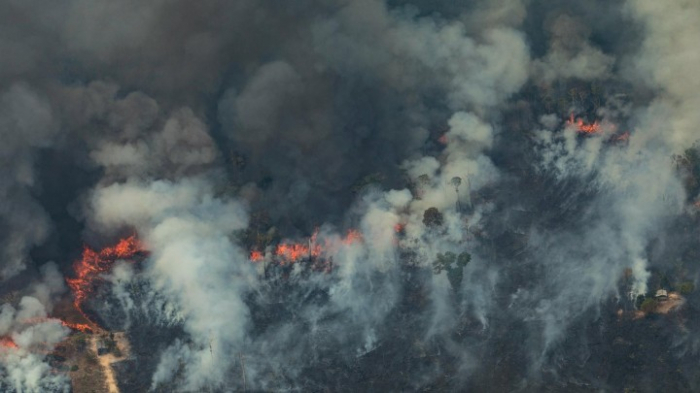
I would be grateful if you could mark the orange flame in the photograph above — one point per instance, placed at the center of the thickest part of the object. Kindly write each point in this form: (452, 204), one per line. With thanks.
(89, 268)
(353, 236)
(82, 327)
(288, 253)
(296, 251)
(256, 256)
(7, 342)
(583, 127)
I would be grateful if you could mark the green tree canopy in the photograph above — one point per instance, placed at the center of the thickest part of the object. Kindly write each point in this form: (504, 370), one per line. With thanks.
(455, 271)
(432, 218)
(649, 304)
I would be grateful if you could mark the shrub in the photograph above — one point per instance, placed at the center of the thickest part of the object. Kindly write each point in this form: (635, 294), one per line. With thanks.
(686, 287)
(649, 305)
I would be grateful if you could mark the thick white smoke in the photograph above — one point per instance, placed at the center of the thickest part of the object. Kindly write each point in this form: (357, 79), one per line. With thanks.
(667, 63)
(183, 122)
(194, 263)
(27, 336)
(635, 188)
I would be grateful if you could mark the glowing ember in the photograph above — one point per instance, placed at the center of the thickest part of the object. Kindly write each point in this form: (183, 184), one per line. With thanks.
(82, 327)
(625, 136)
(89, 268)
(288, 253)
(296, 251)
(583, 127)
(353, 236)
(7, 342)
(398, 228)
(256, 256)
(443, 139)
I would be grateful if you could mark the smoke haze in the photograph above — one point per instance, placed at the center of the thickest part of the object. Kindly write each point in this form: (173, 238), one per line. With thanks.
(468, 192)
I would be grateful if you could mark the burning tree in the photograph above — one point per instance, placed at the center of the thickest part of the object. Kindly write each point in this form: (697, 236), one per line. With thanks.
(94, 263)
(314, 251)
(582, 127)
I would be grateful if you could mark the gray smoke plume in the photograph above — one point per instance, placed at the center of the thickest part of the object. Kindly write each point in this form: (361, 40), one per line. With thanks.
(26, 126)
(469, 235)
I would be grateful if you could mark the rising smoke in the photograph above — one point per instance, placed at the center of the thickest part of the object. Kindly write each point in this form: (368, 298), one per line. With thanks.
(427, 130)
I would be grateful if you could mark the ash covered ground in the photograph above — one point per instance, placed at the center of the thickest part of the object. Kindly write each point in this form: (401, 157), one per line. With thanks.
(333, 195)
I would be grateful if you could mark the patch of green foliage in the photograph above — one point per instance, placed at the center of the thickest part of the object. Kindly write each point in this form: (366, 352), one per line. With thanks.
(649, 304)
(686, 287)
(454, 265)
